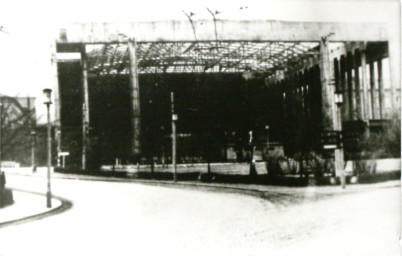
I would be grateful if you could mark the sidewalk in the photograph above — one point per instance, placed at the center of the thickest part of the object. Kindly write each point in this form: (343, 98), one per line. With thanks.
(26, 206)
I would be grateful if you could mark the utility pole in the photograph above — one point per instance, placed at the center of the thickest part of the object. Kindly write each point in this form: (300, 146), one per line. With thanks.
(84, 138)
(174, 119)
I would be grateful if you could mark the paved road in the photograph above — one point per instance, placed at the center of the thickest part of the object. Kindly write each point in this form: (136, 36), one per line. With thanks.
(110, 218)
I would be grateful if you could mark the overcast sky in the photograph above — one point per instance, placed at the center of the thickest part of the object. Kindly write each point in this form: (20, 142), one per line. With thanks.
(31, 25)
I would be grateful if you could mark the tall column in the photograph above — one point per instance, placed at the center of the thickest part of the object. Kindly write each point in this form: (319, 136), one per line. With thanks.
(55, 82)
(330, 118)
(373, 95)
(306, 94)
(327, 89)
(365, 98)
(380, 89)
(85, 106)
(56, 93)
(349, 67)
(394, 54)
(135, 96)
(343, 86)
(85, 83)
(356, 63)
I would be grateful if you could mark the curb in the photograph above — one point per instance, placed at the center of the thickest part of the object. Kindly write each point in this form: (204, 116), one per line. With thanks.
(215, 187)
(65, 205)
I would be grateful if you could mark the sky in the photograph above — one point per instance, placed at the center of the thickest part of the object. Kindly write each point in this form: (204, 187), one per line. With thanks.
(32, 26)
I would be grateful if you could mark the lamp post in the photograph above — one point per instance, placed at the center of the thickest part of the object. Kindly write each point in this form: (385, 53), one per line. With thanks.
(267, 129)
(33, 135)
(47, 101)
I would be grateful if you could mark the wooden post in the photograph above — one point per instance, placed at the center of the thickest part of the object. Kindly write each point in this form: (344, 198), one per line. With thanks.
(135, 97)
(381, 89)
(331, 118)
(366, 108)
(373, 95)
(85, 106)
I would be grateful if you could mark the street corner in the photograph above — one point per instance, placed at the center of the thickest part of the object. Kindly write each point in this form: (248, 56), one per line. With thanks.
(29, 206)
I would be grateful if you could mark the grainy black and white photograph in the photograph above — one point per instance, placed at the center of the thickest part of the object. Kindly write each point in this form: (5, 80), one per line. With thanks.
(184, 128)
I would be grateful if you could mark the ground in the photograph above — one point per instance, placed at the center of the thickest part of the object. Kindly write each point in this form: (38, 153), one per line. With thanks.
(118, 218)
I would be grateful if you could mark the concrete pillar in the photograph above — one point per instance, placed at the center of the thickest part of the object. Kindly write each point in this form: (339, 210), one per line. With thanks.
(327, 89)
(357, 84)
(394, 54)
(380, 89)
(56, 93)
(349, 67)
(364, 80)
(85, 106)
(343, 86)
(331, 117)
(55, 82)
(373, 95)
(135, 97)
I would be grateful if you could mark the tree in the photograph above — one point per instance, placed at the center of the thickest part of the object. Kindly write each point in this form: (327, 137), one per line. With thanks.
(18, 120)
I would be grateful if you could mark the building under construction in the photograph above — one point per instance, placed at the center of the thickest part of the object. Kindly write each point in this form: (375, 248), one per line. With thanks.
(308, 86)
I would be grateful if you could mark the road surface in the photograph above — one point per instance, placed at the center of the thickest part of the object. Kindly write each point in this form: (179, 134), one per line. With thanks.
(114, 218)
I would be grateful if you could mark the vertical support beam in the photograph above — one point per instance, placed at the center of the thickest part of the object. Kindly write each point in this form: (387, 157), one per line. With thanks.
(85, 106)
(56, 93)
(365, 98)
(327, 89)
(135, 96)
(373, 95)
(306, 92)
(55, 82)
(337, 75)
(331, 117)
(380, 89)
(394, 54)
(349, 66)
(174, 139)
(343, 86)
(358, 92)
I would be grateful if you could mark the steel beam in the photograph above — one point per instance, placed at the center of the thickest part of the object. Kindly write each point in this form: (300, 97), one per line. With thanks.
(135, 97)
(228, 30)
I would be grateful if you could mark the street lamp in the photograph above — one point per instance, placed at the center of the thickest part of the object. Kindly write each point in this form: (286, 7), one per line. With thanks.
(267, 129)
(47, 101)
(338, 98)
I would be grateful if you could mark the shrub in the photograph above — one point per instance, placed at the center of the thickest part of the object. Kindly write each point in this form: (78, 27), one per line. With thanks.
(383, 143)
(273, 163)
